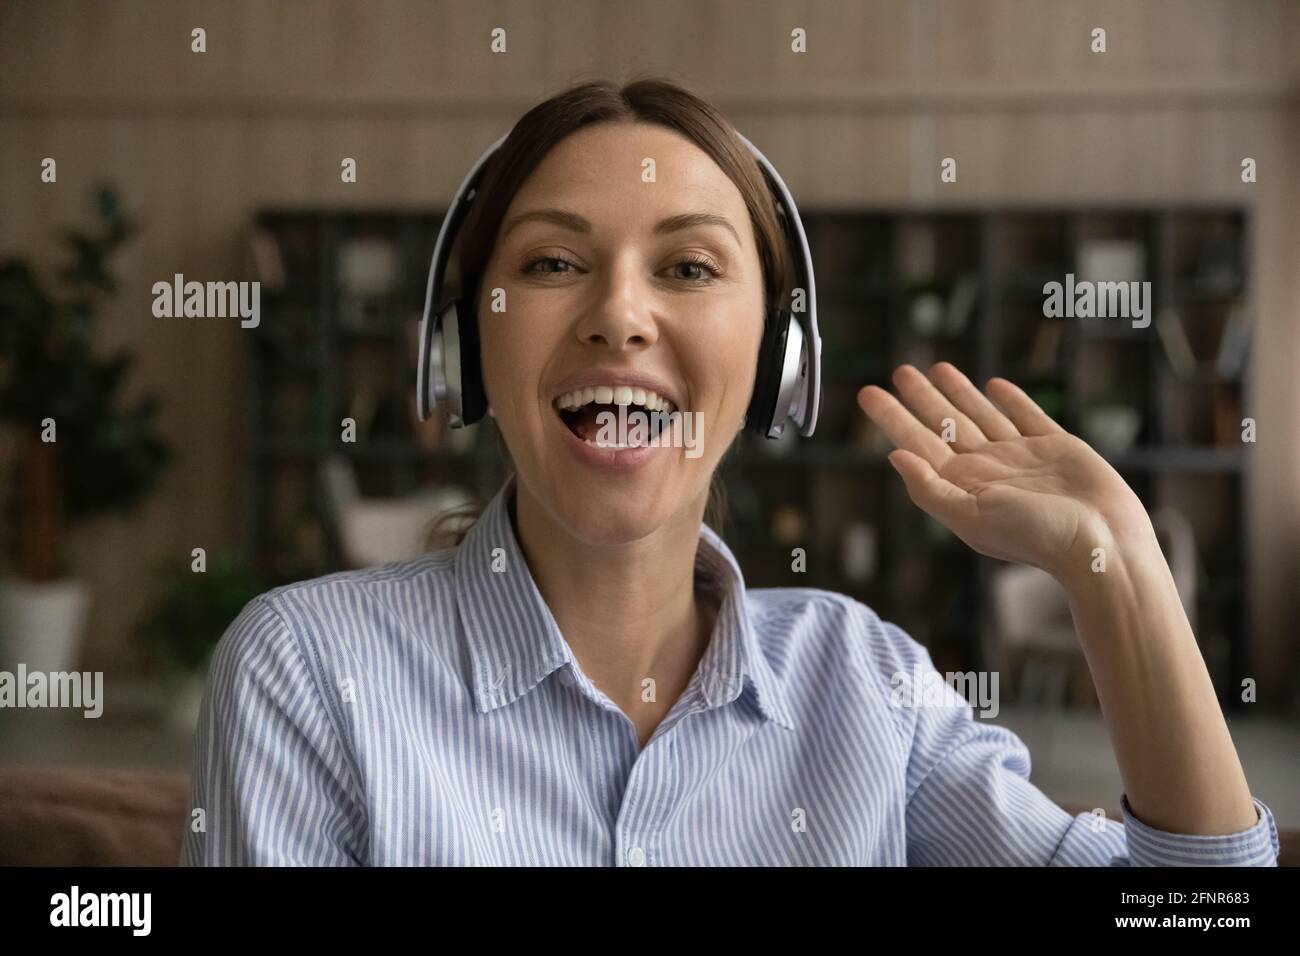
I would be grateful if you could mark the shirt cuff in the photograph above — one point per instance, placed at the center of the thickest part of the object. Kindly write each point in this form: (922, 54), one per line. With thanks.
(1256, 846)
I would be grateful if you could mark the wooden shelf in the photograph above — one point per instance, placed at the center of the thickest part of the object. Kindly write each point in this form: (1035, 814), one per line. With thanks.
(1226, 460)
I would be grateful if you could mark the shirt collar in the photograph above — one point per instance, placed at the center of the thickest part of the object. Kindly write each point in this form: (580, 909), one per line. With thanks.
(514, 641)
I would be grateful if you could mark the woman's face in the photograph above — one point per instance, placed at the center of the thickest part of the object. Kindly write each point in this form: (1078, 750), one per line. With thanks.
(611, 271)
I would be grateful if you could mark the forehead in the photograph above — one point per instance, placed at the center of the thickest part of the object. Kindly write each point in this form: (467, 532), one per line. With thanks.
(602, 167)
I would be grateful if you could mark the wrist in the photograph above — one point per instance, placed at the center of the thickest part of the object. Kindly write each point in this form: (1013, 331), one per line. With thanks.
(1107, 551)
(1130, 600)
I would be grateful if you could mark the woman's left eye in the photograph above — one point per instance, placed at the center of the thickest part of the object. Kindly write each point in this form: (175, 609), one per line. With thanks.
(697, 263)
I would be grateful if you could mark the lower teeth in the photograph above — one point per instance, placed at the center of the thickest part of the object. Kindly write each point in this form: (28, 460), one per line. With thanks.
(595, 444)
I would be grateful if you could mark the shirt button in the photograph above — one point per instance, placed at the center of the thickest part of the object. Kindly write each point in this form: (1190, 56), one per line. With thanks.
(566, 678)
(636, 856)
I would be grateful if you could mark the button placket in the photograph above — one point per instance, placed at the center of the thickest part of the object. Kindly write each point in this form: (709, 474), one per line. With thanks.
(655, 774)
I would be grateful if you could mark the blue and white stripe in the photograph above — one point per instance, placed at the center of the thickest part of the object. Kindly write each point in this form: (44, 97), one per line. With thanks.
(430, 712)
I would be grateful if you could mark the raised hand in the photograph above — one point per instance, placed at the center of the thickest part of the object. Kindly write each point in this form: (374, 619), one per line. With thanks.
(1014, 485)
(1011, 482)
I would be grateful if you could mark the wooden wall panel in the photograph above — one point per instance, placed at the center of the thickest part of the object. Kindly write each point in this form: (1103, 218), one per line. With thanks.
(199, 142)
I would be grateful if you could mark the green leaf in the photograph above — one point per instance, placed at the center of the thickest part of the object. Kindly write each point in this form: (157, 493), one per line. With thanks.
(110, 452)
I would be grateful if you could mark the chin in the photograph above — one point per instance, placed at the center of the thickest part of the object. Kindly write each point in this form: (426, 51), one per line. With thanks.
(608, 516)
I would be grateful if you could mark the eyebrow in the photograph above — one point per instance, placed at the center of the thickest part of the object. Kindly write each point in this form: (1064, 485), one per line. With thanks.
(576, 223)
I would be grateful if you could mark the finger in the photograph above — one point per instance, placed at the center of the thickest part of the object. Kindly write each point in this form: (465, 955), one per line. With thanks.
(937, 497)
(933, 408)
(1020, 408)
(961, 391)
(902, 427)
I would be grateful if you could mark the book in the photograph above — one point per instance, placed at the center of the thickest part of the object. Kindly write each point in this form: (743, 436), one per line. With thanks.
(268, 263)
(1045, 354)
(1169, 326)
(1234, 345)
(962, 304)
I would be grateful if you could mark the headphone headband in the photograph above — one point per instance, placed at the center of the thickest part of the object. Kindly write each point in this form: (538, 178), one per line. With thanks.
(804, 416)
(797, 377)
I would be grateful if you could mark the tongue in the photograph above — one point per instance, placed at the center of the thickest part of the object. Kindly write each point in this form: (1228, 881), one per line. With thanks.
(586, 424)
(584, 420)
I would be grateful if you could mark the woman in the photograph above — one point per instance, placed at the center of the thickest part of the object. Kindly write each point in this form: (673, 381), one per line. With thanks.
(585, 679)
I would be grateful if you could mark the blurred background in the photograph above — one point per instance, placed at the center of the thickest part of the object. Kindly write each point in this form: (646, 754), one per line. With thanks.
(190, 445)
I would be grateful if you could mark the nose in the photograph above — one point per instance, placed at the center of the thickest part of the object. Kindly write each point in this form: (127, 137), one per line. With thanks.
(621, 317)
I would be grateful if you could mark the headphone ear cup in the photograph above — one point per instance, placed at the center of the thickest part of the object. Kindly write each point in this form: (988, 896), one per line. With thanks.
(767, 380)
(473, 398)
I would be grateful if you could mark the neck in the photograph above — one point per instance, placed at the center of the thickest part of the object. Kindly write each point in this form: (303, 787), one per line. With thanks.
(628, 611)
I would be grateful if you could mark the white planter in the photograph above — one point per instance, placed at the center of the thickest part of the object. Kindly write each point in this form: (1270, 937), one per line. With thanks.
(41, 624)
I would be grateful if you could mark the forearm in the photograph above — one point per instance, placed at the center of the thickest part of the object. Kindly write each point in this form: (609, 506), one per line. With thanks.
(1180, 769)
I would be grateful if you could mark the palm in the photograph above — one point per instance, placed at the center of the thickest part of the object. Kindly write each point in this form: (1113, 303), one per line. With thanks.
(1034, 485)
(1007, 480)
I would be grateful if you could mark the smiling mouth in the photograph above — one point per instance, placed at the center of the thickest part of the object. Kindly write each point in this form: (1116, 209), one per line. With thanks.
(585, 422)
(582, 418)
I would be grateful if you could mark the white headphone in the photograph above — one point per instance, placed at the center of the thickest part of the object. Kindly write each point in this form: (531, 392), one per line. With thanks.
(787, 385)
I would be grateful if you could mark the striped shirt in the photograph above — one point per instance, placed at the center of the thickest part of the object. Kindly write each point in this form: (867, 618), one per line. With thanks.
(430, 712)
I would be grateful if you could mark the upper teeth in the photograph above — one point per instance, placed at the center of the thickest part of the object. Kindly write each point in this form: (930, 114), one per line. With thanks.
(614, 395)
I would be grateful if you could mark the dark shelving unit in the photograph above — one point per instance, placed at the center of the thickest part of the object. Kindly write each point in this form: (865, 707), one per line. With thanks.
(894, 285)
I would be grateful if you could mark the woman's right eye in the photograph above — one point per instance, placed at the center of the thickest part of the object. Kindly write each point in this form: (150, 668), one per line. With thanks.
(531, 266)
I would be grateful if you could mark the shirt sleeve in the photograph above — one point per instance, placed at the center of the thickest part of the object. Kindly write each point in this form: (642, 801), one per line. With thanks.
(970, 802)
(270, 784)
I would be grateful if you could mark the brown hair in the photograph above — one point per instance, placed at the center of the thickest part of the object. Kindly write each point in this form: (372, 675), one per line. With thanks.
(648, 100)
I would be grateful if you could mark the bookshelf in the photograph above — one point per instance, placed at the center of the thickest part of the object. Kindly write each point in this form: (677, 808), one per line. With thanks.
(1163, 403)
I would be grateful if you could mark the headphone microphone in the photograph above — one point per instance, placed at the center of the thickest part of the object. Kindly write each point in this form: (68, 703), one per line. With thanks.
(787, 383)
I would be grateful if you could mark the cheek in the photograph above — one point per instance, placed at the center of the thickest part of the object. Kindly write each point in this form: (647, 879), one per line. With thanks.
(509, 365)
(722, 365)
(733, 355)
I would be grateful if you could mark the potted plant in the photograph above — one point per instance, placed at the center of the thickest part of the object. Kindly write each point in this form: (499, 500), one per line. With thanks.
(82, 448)
(185, 625)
